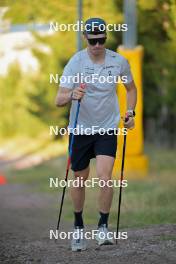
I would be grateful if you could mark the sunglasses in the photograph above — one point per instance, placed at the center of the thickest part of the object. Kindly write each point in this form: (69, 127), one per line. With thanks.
(94, 41)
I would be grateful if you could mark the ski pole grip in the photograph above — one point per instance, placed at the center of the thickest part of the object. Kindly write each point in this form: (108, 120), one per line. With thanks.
(82, 85)
(126, 118)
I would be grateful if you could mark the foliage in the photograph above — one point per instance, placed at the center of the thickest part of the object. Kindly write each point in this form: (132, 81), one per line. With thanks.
(156, 32)
(14, 103)
(37, 102)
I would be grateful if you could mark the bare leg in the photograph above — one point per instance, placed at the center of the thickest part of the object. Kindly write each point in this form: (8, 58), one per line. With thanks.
(78, 193)
(104, 167)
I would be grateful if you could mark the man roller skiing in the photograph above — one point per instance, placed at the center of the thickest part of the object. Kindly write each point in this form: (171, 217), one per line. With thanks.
(100, 109)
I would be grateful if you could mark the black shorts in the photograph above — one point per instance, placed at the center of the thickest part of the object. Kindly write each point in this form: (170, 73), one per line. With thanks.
(86, 147)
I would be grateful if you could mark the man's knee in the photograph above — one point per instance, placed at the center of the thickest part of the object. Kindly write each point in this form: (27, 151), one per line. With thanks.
(83, 174)
(104, 167)
(104, 174)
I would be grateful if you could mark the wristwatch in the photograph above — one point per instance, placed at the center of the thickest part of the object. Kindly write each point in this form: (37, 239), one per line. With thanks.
(131, 113)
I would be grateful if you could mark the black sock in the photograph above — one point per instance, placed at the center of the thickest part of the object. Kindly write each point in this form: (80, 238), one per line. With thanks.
(78, 219)
(103, 219)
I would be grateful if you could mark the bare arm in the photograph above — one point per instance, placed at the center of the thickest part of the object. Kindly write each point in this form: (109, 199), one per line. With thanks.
(131, 103)
(131, 95)
(65, 95)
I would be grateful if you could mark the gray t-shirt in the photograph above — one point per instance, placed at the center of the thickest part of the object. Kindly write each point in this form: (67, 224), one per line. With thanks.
(99, 106)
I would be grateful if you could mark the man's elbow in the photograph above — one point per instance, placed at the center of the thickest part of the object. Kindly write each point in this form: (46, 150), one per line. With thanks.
(132, 88)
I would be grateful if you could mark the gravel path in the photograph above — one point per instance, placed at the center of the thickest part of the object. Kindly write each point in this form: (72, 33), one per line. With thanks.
(26, 218)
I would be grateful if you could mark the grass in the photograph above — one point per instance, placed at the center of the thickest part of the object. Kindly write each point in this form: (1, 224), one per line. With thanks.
(168, 237)
(145, 202)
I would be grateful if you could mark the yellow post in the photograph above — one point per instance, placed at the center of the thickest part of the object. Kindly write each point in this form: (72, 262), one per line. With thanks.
(136, 163)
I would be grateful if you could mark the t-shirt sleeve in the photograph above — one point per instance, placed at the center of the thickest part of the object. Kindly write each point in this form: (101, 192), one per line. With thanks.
(125, 71)
(70, 70)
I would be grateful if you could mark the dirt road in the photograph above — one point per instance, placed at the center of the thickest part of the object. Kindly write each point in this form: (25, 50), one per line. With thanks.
(26, 218)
